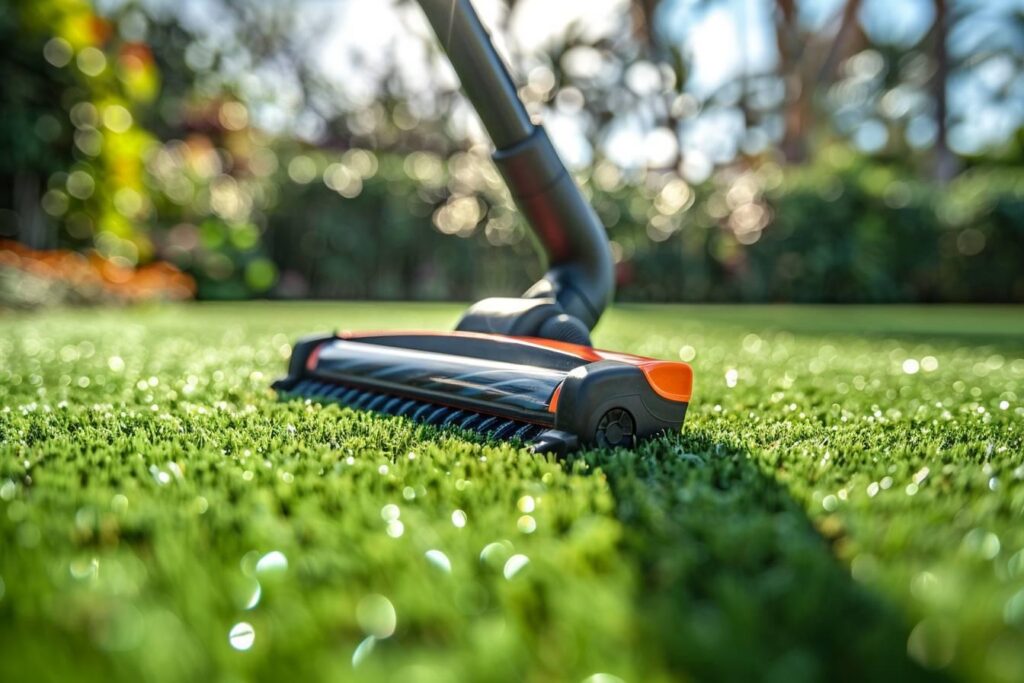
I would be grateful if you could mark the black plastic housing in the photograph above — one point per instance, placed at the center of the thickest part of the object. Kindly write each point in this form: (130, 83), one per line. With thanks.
(554, 396)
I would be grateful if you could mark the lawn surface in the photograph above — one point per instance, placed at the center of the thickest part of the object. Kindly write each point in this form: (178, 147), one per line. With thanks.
(845, 502)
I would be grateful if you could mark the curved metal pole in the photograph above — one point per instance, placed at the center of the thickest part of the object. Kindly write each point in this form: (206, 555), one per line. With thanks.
(581, 276)
(484, 76)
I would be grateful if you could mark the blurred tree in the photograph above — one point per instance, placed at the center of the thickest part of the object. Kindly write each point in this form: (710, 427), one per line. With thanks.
(217, 138)
(34, 134)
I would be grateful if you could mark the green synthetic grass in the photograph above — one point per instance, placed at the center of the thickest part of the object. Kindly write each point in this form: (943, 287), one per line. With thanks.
(845, 502)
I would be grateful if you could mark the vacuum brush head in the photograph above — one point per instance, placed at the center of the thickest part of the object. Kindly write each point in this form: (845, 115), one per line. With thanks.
(553, 396)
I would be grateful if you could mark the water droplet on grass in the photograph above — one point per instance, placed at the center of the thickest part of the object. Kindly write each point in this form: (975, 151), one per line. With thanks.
(459, 519)
(1013, 611)
(925, 586)
(439, 560)
(515, 565)
(242, 635)
(255, 592)
(496, 553)
(982, 544)
(84, 568)
(363, 651)
(1016, 564)
(376, 616)
(272, 563)
(159, 476)
(603, 678)
(932, 643)
(526, 524)
(526, 504)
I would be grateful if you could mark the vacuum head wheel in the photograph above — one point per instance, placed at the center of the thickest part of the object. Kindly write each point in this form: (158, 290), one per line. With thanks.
(616, 428)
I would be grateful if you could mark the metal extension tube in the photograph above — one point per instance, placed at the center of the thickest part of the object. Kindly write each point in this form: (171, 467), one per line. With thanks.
(581, 275)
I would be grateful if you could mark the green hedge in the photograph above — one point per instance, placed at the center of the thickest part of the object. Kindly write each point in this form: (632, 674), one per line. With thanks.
(843, 230)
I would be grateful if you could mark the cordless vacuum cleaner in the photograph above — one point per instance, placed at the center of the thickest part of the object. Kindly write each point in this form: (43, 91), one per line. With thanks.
(515, 368)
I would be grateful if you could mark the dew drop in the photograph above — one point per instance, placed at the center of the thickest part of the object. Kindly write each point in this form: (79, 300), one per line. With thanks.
(390, 512)
(272, 563)
(363, 650)
(526, 524)
(439, 560)
(496, 553)
(932, 644)
(514, 565)
(1013, 611)
(242, 636)
(603, 678)
(376, 616)
(255, 593)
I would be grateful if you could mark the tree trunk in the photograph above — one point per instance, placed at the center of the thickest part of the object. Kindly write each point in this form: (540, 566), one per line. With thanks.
(841, 44)
(797, 107)
(32, 224)
(946, 165)
(643, 22)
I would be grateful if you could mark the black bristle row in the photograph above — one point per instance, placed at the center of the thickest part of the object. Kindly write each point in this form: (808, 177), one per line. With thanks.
(420, 411)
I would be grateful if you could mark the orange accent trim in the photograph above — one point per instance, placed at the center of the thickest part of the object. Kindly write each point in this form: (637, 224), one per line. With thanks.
(671, 380)
(314, 356)
(587, 353)
(553, 401)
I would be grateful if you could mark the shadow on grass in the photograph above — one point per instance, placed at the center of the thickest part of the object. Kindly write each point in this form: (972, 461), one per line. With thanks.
(735, 581)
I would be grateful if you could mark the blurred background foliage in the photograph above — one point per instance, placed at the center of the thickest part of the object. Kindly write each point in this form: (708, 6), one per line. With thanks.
(264, 154)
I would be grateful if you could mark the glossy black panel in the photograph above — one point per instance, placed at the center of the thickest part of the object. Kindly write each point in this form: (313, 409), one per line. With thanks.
(517, 391)
(480, 347)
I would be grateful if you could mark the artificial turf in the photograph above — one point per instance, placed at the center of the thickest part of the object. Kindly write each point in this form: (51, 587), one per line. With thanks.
(845, 502)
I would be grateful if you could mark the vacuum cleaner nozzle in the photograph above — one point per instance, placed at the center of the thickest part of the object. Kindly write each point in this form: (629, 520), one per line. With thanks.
(554, 396)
